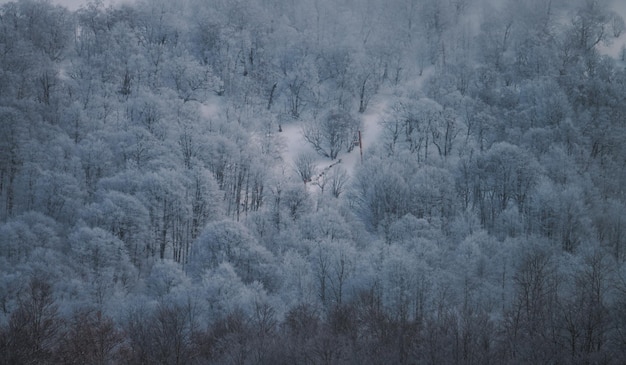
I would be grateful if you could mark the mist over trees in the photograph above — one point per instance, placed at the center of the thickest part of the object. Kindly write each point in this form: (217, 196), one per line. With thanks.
(149, 213)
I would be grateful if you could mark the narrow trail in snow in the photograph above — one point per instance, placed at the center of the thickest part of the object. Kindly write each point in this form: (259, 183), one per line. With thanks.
(295, 144)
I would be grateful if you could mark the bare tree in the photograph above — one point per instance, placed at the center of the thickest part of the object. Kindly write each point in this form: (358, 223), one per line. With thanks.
(33, 326)
(530, 323)
(92, 338)
(338, 180)
(331, 133)
(616, 24)
(305, 166)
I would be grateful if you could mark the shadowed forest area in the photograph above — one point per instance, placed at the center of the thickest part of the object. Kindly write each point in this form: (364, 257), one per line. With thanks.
(151, 213)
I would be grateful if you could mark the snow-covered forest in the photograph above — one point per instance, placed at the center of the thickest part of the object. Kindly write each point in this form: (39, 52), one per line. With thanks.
(313, 182)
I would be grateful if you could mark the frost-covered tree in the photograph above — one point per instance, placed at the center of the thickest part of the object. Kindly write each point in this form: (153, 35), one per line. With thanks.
(231, 243)
(102, 263)
(332, 133)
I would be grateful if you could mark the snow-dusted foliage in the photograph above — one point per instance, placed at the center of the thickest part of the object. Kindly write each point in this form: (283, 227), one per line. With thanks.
(313, 182)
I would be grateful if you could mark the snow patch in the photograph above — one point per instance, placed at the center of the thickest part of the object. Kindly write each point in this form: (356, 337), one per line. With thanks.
(210, 109)
(615, 46)
(296, 145)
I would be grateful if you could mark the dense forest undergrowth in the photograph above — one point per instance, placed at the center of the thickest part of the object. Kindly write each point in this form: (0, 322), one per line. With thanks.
(149, 213)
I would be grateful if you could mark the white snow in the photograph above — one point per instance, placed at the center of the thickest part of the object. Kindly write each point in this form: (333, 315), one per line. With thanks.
(210, 108)
(371, 130)
(295, 144)
(614, 48)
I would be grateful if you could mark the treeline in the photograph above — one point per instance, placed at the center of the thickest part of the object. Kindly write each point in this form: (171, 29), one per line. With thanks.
(552, 319)
(147, 213)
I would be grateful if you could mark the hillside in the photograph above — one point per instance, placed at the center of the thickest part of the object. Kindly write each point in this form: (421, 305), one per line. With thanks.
(182, 182)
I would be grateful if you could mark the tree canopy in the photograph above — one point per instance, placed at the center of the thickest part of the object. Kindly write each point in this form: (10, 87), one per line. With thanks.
(186, 183)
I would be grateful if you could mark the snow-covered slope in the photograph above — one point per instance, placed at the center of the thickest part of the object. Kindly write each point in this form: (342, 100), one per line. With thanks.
(295, 144)
(615, 47)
